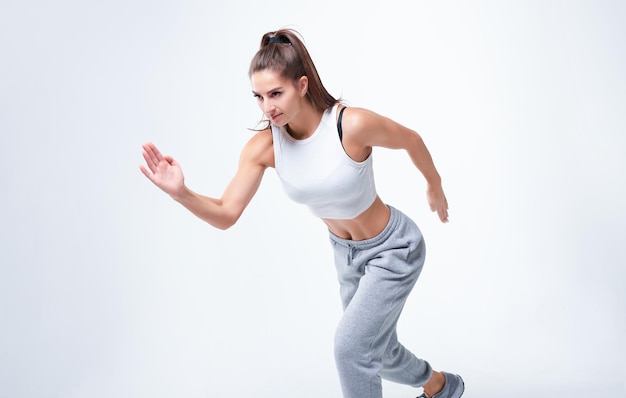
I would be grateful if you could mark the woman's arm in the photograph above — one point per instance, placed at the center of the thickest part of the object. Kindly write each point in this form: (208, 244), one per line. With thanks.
(221, 213)
(365, 129)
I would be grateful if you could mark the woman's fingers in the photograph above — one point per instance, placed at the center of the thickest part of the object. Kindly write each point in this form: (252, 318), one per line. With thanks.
(152, 155)
(149, 161)
(146, 173)
(444, 210)
(443, 214)
(438, 203)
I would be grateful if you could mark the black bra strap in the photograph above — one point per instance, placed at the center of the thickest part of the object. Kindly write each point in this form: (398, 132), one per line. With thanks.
(339, 129)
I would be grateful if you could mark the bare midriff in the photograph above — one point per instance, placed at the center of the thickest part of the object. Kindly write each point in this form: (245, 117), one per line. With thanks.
(365, 226)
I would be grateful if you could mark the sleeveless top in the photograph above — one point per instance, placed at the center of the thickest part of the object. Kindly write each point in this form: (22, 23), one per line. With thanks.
(317, 172)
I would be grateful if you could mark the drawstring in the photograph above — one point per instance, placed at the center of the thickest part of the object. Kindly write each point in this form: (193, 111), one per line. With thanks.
(350, 255)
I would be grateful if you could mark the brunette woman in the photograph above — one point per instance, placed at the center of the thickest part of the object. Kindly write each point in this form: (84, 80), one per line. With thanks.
(322, 153)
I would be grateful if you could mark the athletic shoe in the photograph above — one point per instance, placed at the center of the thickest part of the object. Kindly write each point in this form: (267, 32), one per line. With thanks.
(453, 388)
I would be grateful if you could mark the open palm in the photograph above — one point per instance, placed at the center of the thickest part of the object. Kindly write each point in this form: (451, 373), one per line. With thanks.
(163, 171)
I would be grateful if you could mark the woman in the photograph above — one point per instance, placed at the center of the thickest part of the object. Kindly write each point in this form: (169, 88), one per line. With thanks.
(322, 152)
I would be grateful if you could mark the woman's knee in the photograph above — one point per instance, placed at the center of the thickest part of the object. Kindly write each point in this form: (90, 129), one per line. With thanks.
(349, 349)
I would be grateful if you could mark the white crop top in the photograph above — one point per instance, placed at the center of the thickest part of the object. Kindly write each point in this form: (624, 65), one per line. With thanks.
(317, 172)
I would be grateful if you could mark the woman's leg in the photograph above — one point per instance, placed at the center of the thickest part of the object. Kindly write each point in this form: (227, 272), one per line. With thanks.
(376, 277)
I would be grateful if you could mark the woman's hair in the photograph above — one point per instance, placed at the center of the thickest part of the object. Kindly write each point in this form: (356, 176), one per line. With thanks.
(284, 52)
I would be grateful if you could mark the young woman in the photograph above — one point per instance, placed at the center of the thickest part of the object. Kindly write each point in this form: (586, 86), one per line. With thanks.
(322, 152)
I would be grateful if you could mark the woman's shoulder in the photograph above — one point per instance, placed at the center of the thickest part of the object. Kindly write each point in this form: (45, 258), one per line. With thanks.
(262, 137)
(356, 112)
(357, 119)
(260, 148)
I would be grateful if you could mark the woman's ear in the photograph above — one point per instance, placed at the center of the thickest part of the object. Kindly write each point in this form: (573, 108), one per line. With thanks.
(303, 85)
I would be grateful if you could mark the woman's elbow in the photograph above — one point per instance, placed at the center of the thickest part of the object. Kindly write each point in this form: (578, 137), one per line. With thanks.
(226, 221)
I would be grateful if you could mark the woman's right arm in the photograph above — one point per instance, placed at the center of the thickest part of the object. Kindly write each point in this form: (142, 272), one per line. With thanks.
(221, 213)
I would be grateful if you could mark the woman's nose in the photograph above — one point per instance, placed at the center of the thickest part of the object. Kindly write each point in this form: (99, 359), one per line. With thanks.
(268, 107)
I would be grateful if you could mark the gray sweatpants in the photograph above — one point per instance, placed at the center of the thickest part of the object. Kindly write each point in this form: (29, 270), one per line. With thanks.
(376, 276)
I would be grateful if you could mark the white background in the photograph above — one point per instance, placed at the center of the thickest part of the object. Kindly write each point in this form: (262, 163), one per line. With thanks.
(108, 288)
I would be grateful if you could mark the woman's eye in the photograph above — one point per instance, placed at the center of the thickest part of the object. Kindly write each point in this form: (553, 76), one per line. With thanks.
(276, 94)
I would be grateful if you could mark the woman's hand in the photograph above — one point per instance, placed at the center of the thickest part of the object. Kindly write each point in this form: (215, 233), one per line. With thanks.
(437, 201)
(163, 171)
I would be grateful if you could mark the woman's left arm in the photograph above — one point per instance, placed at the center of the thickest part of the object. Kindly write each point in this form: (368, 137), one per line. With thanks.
(368, 129)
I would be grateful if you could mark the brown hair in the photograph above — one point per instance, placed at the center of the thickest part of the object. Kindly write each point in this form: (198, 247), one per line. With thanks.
(284, 52)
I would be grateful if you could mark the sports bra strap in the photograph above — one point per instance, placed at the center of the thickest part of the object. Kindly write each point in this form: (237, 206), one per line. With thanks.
(339, 129)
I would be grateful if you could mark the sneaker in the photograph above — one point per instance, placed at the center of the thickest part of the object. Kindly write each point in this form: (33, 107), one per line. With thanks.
(453, 388)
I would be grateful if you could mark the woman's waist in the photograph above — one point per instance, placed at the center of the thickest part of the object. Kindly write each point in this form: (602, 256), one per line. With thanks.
(369, 224)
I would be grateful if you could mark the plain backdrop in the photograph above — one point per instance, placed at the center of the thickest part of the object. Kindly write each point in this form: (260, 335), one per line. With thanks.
(108, 288)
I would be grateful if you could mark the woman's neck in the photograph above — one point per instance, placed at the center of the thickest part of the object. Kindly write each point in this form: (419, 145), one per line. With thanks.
(305, 124)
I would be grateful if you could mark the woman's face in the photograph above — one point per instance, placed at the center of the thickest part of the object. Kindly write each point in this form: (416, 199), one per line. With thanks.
(279, 98)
